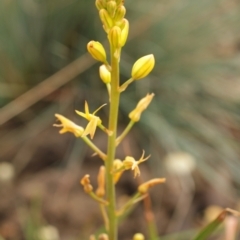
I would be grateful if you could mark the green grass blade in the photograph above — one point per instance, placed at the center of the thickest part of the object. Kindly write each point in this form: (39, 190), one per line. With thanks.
(211, 227)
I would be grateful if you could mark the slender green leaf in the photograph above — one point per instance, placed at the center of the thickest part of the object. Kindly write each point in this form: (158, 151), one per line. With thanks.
(211, 227)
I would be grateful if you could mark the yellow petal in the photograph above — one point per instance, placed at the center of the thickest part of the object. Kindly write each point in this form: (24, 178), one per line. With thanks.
(68, 126)
(91, 127)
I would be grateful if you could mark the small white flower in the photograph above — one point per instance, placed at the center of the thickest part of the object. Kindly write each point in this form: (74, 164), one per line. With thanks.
(7, 172)
(180, 163)
(48, 233)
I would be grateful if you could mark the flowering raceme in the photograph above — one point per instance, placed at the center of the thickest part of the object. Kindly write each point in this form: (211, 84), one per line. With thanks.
(112, 15)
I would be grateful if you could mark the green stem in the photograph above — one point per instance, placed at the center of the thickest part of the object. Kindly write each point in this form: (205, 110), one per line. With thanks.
(113, 117)
(129, 204)
(95, 197)
(105, 216)
(94, 148)
(125, 85)
(125, 132)
(152, 229)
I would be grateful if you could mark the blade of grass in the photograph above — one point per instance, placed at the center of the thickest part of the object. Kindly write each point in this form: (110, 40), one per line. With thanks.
(207, 231)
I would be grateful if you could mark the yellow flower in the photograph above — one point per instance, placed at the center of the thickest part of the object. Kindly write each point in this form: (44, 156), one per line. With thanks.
(68, 126)
(135, 114)
(131, 163)
(94, 121)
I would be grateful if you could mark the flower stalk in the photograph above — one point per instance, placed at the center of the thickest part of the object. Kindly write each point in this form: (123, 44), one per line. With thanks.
(124, 133)
(113, 117)
(112, 13)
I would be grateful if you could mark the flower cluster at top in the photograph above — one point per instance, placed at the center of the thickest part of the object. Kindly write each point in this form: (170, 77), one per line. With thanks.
(112, 15)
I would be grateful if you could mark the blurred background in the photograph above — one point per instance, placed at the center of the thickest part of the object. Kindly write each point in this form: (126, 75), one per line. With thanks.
(191, 129)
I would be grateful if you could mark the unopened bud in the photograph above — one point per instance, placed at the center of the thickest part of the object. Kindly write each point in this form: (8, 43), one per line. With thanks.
(104, 73)
(103, 236)
(111, 8)
(117, 164)
(114, 37)
(143, 188)
(124, 32)
(119, 2)
(99, 4)
(143, 66)
(138, 236)
(100, 192)
(97, 51)
(106, 19)
(120, 13)
(121, 23)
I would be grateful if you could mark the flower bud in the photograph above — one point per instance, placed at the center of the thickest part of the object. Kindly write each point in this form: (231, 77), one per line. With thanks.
(143, 188)
(111, 8)
(104, 73)
(138, 236)
(119, 2)
(143, 66)
(120, 13)
(124, 32)
(117, 164)
(99, 4)
(114, 37)
(100, 192)
(106, 19)
(135, 114)
(97, 51)
(120, 23)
